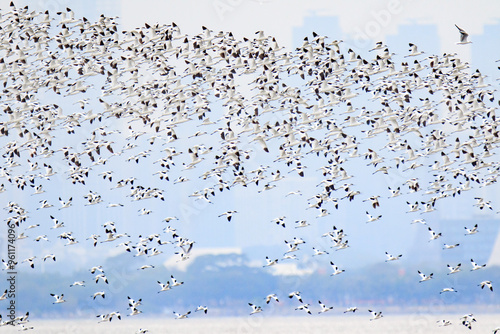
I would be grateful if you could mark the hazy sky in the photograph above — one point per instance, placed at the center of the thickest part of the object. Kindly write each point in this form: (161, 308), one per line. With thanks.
(359, 23)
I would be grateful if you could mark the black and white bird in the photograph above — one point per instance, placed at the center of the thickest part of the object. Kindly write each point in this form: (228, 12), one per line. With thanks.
(59, 298)
(475, 266)
(471, 231)
(375, 315)
(202, 308)
(463, 36)
(447, 290)
(424, 277)
(271, 297)
(255, 308)
(324, 308)
(270, 262)
(175, 282)
(444, 322)
(228, 215)
(352, 309)
(164, 287)
(295, 294)
(392, 258)
(455, 269)
(486, 284)
(336, 270)
(99, 293)
(304, 307)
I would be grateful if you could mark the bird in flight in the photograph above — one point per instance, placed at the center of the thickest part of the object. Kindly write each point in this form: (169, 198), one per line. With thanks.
(463, 36)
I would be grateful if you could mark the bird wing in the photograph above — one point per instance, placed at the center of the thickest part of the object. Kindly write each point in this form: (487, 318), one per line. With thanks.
(463, 34)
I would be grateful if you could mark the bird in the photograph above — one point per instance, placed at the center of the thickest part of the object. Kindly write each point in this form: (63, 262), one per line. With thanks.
(175, 282)
(352, 309)
(255, 308)
(434, 235)
(182, 316)
(204, 309)
(486, 284)
(444, 322)
(134, 311)
(99, 293)
(271, 297)
(471, 231)
(58, 298)
(101, 277)
(424, 277)
(295, 294)
(228, 214)
(336, 270)
(164, 287)
(446, 246)
(475, 266)
(372, 218)
(77, 283)
(270, 262)
(304, 307)
(447, 290)
(463, 36)
(324, 308)
(392, 258)
(455, 269)
(375, 315)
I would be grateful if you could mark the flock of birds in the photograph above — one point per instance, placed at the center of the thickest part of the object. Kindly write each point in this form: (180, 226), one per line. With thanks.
(135, 91)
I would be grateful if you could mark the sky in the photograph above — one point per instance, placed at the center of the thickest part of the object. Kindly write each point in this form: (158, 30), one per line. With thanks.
(359, 24)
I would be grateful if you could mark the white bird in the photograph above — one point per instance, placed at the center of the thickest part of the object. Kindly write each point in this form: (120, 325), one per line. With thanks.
(228, 214)
(65, 204)
(77, 283)
(434, 235)
(175, 282)
(99, 293)
(271, 297)
(444, 322)
(304, 307)
(463, 36)
(202, 308)
(164, 287)
(351, 309)
(101, 277)
(324, 308)
(318, 252)
(455, 269)
(447, 290)
(486, 284)
(134, 311)
(375, 315)
(270, 262)
(471, 231)
(133, 303)
(255, 308)
(295, 294)
(392, 258)
(301, 223)
(336, 270)
(424, 277)
(372, 218)
(475, 266)
(59, 299)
